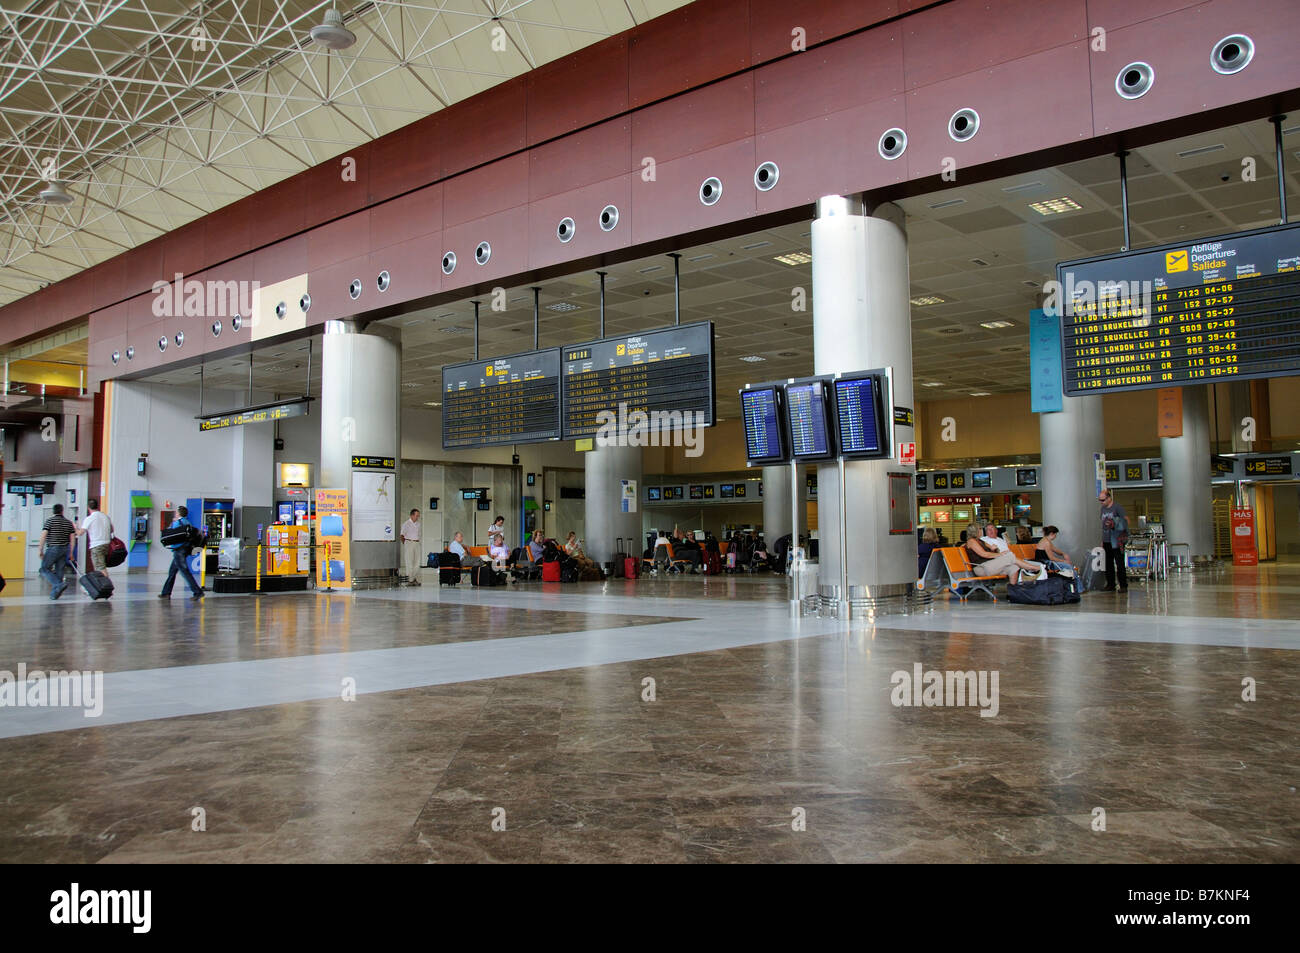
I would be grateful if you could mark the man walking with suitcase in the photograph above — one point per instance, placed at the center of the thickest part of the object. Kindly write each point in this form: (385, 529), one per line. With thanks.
(180, 555)
(98, 529)
(55, 536)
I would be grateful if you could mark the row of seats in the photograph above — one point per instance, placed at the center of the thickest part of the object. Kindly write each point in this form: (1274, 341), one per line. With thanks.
(962, 581)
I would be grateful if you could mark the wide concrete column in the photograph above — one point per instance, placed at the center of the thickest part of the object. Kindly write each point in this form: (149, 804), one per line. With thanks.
(605, 521)
(361, 380)
(862, 320)
(1068, 439)
(776, 503)
(1185, 463)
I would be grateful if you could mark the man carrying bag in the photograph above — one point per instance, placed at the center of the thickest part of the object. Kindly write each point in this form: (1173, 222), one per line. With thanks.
(180, 539)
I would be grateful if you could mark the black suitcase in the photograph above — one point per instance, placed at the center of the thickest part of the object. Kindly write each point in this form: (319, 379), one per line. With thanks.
(620, 557)
(448, 569)
(1052, 591)
(484, 575)
(97, 585)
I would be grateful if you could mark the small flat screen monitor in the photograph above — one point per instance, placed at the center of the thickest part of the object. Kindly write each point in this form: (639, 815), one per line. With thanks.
(981, 479)
(860, 416)
(727, 491)
(652, 494)
(760, 407)
(809, 414)
(1027, 476)
(697, 492)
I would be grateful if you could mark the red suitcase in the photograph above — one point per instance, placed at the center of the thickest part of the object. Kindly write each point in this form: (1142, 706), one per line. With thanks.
(551, 571)
(631, 567)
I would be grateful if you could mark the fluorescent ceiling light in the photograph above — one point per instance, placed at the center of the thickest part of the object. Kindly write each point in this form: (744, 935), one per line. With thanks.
(562, 306)
(980, 393)
(794, 258)
(700, 258)
(432, 403)
(933, 384)
(1022, 187)
(754, 245)
(646, 271)
(948, 204)
(1055, 206)
(1203, 150)
(997, 324)
(753, 359)
(922, 300)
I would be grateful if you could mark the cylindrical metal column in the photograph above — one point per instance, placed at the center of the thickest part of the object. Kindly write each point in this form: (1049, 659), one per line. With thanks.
(862, 320)
(1068, 439)
(361, 379)
(1185, 463)
(776, 504)
(606, 469)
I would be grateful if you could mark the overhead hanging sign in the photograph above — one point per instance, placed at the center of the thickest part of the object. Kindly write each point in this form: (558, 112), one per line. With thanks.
(501, 400)
(1221, 308)
(260, 413)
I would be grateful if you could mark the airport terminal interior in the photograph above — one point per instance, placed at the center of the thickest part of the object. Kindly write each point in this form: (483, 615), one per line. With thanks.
(745, 335)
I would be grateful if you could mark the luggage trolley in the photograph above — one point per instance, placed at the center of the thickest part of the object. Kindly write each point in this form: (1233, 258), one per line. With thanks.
(1146, 556)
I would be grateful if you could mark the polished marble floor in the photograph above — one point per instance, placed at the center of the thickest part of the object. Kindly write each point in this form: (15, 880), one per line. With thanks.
(684, 719)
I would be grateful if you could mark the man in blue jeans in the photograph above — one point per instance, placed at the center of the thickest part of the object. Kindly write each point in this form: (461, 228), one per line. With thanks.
(55, 535)
(180, 557)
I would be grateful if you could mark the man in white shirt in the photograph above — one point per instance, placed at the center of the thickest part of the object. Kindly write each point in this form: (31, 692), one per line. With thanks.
(991, 538)
(99, 530)
(457, 546)
(411, 548)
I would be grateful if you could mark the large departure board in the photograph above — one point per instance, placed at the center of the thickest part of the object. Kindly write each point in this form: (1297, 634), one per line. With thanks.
(1224, 308)
(810, 431)
(501, 400)
(760, 408)
(670, 370)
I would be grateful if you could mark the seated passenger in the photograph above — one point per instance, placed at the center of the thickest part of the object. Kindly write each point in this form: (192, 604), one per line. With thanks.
(929, 543)
(457, 546)
(993, 539)
(498, 552)
(536, 545)
(573, 549)
(1048, 553)
(685, 547)
(986, 560)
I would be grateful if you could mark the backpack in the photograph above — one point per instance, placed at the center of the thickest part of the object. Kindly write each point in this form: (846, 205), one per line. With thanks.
(1052, 591)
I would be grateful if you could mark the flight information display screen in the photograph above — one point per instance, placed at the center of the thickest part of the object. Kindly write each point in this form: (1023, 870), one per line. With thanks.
(1225, 308)
(501, 400)
(761, 411)
(810, 432)
(859, 416)
(667, 372)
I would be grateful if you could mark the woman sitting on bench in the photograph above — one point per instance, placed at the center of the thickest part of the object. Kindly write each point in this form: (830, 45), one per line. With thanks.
(987, 561)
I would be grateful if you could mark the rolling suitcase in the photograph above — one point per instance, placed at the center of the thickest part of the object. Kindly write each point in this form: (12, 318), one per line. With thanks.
(620, 558)
(448, 569)
(484, 575)
(712, 563)
(551, 571)
(631, 567)
(97, 585)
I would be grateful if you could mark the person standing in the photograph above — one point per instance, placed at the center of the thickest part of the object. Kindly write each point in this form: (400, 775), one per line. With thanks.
(180, 559)
(498, 526)
(56, 536)
(1114, 533)
(411, 548)
(98, 529)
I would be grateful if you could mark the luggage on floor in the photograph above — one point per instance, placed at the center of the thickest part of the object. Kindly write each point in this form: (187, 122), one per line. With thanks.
(431, 561)
(551, 571)
(448, 569)
(712, 563)
(570, 571)
(97, 585)
(116, 552)
(731, 560)
(620, 558)
(484, 575)
(631, 567)
(1052, 591)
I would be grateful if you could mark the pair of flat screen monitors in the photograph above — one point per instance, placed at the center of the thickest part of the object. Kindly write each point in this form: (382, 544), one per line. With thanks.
(817, 418)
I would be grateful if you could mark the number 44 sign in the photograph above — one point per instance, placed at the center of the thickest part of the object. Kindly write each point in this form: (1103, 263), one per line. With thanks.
(907, 453)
